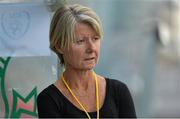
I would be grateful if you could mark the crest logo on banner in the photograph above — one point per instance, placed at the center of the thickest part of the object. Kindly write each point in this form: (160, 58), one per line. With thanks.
(15, 23)
(23, 27)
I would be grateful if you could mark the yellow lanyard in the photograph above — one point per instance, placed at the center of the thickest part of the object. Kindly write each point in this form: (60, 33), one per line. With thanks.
(97, 95)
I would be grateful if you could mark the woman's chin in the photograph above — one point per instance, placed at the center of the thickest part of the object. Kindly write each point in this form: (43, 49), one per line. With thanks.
(88, 67)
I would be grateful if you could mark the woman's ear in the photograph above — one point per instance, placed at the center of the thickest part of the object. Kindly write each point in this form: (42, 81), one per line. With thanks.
(60, 50)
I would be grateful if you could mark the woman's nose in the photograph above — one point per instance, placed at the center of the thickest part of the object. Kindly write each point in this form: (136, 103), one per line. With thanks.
(90, 46)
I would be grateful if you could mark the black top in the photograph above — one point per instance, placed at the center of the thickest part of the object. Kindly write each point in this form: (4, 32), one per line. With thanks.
(118, 103)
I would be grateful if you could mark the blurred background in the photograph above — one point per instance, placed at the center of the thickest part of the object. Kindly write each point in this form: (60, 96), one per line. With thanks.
(141, 47)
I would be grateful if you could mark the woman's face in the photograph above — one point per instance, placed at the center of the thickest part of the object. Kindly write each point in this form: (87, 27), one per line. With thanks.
(84, 52)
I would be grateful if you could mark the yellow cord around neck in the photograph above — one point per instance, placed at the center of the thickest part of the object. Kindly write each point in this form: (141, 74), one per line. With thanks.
(97, 95)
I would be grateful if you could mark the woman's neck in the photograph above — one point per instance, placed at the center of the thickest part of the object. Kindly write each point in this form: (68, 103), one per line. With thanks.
(78, 79)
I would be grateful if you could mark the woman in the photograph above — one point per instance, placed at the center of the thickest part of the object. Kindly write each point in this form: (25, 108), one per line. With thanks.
(75, 34)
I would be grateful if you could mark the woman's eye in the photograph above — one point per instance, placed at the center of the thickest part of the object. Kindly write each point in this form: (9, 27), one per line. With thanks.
(96, 38)
(80, 41)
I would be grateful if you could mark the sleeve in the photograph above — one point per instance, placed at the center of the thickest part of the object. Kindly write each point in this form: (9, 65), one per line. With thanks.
(47, 107)
(127, 109)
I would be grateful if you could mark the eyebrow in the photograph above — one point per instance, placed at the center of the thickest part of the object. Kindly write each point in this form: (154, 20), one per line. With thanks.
(89, 36)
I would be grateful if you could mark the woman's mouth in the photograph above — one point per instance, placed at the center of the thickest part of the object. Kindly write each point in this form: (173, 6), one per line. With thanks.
(88, 59)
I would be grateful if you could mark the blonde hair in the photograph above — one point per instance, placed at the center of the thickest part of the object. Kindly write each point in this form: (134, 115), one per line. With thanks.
(62, 28)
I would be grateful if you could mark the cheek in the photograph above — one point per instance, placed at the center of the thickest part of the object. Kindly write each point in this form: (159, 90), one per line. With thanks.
(98, 49)
(75, 55)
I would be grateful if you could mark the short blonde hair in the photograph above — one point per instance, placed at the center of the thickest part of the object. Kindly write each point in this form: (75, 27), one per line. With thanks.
(62, 28)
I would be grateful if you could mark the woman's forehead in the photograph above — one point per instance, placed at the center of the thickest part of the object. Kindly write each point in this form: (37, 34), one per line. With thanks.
(85, 30)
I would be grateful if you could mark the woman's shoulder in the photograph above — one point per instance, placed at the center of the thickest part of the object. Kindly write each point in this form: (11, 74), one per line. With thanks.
(49, 92)
(114, 83)
(117, 87)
